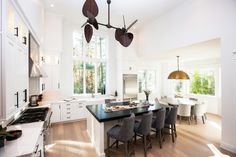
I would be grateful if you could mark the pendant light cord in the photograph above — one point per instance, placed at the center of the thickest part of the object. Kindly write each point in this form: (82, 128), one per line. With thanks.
(178, 62)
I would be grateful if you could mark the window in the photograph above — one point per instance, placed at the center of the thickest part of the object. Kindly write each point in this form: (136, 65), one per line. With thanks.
(89, 64)
(202, 82)
(146, 80)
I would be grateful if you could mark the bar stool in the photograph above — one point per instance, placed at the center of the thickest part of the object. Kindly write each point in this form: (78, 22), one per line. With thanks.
(158, 124)
(143, 128)
(170, 122)
(123, 133)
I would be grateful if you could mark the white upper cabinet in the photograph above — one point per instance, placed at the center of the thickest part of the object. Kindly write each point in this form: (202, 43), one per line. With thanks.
(14, 62)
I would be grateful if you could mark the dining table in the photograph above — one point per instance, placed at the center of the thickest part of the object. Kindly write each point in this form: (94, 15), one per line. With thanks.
(177, 101)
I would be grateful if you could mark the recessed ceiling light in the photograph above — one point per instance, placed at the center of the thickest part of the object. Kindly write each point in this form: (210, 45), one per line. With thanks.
(52, 5)
(134, 27)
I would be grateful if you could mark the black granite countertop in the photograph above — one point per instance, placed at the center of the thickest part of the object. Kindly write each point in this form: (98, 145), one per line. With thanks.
(98, 112)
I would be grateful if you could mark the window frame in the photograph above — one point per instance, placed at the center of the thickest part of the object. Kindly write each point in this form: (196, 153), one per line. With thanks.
(94, 60)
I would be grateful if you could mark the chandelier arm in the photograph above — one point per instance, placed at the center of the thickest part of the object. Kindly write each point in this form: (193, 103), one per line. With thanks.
(107, 25)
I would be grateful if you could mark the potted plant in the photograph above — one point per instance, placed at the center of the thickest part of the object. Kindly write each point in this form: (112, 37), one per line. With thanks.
(147, 92)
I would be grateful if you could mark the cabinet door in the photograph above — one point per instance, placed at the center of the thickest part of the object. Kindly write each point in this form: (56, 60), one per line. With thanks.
(22, 75)
(56, 112)
(10, 79)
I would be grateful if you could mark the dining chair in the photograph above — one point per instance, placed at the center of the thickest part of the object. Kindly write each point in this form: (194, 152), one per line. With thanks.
(123, 133)
(184, 111)
(199, 111)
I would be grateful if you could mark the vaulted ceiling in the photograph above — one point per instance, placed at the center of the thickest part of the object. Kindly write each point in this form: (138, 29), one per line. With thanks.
(143, 10)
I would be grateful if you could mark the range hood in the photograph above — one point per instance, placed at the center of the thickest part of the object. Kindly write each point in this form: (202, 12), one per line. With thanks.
(35, 69)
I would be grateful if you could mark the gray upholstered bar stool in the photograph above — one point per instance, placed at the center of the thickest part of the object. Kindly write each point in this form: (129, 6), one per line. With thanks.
(123, 133)
(158, 124)
(143, 128)
(170, 122)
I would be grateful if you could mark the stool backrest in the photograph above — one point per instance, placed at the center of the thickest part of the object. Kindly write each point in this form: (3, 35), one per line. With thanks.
(159, 121)
(127, 128)
(172, 115)
(146, 124)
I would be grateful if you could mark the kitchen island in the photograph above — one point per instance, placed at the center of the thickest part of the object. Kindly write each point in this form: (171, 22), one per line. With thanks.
(99, 122)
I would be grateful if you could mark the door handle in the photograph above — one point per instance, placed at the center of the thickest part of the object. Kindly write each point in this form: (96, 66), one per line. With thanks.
(25, 91)
(16, 31)
(24, 40)
(17, 99)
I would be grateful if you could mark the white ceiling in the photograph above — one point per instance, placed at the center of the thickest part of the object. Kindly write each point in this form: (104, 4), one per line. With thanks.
(143, 10)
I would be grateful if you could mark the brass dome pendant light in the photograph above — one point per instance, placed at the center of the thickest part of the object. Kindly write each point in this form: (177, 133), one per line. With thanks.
(178, 75)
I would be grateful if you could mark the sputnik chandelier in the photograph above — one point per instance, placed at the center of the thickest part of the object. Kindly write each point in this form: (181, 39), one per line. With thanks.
(90, 10)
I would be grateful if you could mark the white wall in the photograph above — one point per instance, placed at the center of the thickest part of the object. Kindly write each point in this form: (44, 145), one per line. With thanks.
(193, 22)
(34, 12)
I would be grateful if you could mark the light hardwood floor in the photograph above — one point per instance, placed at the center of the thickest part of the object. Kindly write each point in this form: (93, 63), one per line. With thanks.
(71, 140)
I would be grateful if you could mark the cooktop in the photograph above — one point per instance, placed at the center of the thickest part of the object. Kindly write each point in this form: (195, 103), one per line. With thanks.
(32, 115)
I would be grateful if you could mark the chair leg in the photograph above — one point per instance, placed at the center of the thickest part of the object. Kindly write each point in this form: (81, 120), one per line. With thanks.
(205, 116)
(160, 138)
(135, 138)
(203, 120)
(196, 119)
(172, 133)
(189, 121)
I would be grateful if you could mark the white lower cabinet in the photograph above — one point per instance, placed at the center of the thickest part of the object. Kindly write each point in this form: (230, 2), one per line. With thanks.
(66, 111)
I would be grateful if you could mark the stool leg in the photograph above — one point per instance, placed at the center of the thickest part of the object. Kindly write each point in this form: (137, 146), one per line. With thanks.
(117, 144)
(126, 149)
(175, 130)
(172, 133)
(145, 145)
(108, 145)
(160, 138)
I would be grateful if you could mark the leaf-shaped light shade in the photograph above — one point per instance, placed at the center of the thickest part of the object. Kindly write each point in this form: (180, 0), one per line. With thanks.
(118, 33)
(91, 7)
(126, 39)
(88, 32)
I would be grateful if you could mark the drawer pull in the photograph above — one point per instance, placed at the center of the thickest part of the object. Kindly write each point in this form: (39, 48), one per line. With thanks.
(68, 117)
(67, 104)
(68, 108)
(68, 112)
(80, 106)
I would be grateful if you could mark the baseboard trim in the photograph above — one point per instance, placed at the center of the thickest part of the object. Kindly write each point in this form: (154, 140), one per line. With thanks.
(228, 147)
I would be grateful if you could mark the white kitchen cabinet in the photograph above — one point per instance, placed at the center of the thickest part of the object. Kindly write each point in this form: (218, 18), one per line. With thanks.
(68, 111)
(14, 62)
(56, 112)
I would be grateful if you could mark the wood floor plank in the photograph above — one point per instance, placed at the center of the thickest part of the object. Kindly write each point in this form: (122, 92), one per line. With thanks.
(72, 140)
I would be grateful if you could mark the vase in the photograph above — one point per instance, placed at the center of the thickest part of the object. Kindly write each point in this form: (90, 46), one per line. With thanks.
(147, 97)
(1, 142)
